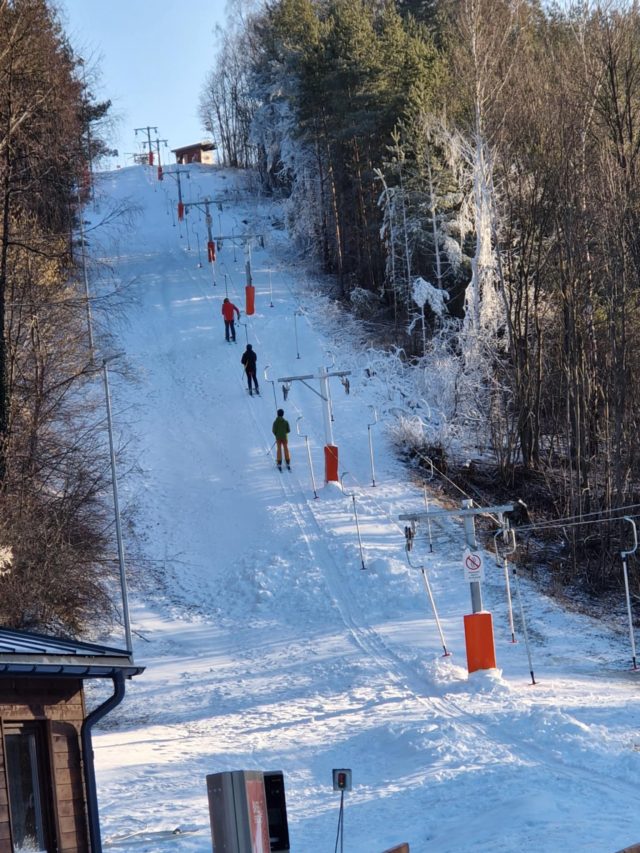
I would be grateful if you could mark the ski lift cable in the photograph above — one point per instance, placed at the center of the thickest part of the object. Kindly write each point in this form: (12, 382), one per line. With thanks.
(551, 525)
(586, 515)
(460, 489)
(599, 516)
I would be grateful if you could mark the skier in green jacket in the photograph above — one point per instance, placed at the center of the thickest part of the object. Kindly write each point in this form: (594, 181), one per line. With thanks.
(281, 430)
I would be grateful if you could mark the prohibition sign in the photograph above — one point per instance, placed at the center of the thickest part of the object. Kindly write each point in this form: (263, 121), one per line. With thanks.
(473, 562)
(473, 565)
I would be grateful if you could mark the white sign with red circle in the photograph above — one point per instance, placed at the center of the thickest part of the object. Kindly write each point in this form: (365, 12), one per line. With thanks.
(473, 565)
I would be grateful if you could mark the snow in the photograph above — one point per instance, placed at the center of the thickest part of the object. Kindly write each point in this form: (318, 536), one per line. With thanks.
(424, 293)
(266, 645)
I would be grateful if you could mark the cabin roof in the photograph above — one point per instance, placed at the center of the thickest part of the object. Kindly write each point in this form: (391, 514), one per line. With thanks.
(25, 653)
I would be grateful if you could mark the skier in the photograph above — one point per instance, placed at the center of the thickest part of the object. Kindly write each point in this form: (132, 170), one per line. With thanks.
(249, 359)
(227, 312)
(281, 431)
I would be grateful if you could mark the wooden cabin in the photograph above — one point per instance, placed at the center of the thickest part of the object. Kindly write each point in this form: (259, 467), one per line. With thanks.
(200, 152)
(48, 798)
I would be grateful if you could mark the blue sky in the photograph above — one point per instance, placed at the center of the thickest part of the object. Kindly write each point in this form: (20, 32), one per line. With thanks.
(153, 57)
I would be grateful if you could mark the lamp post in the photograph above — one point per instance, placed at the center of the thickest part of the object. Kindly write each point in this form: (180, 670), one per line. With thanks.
(85, 276)
(116, 507)
(85, 97)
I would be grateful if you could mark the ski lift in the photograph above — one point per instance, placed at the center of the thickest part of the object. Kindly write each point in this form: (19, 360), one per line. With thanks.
(262, 241)
(345, 382)
(285, 390)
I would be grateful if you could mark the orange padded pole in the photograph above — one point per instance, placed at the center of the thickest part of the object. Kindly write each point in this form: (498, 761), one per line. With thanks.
(331, 463)
(250, 293)
(478, 635)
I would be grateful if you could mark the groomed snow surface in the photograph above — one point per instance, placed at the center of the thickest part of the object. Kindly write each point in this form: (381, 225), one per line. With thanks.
(266, 644)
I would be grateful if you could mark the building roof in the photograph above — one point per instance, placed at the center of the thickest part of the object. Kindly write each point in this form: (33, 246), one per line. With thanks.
(203, 146)
(24, 653)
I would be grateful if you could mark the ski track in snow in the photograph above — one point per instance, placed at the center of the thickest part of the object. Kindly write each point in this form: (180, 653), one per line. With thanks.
(268, 646)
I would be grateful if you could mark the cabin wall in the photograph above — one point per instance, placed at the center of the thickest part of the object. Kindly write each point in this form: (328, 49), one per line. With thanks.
(57, 705)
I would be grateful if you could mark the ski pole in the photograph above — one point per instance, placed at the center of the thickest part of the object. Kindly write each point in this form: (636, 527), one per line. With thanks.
(270, 449)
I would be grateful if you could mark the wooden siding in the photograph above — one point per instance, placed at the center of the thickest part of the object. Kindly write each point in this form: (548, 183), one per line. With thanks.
(59, 703)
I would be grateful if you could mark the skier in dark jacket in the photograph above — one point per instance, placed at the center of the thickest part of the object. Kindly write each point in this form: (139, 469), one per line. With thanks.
(228, 309)
(281, 431)
(249, 359)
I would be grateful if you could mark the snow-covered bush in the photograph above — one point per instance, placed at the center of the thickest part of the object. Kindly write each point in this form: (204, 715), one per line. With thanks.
(408, 434)
(364, 303)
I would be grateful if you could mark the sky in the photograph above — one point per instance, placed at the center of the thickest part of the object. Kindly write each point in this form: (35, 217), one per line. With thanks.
(152, 58)
(279, 621)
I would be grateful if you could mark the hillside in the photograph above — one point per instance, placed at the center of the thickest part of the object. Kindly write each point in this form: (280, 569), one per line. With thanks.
(266, 644)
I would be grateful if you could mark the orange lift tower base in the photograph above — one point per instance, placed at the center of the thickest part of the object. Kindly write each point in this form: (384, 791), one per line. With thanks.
(331, 464)
(478, 636)
(250, 300)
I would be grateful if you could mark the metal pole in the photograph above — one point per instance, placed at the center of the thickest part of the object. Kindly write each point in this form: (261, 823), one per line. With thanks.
(86, 282)
(273, 386)
(116, 507)
(426, 499)
(209, 237)
(306, 439)
(226, 286)
(426, 503)
(326, 411)
(624, 555)
(505, 564)
(352, 495)
(524, 624)
(295, 326)
(199, 253)
(470, 536)
(432, 600)
(89, 155)
(270, 291)
(330, 401)
(375, 421)
(427, 586)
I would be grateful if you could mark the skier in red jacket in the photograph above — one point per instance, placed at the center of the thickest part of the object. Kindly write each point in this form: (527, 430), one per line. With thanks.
(227, 312)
